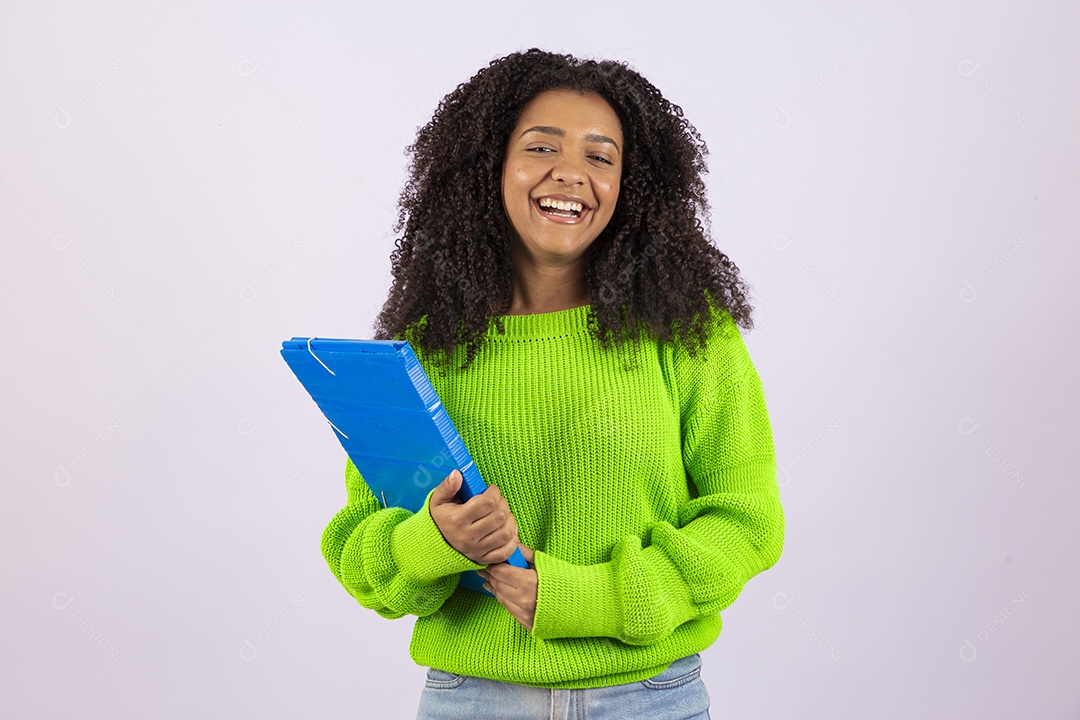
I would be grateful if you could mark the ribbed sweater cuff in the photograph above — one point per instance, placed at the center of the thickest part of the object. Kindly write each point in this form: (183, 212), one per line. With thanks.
(421, 553)
(574, 600)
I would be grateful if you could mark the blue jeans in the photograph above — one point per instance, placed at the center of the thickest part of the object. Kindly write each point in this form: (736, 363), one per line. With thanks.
(675, 694)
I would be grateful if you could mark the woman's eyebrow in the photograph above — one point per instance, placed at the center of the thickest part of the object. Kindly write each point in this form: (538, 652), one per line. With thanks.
(559, 132)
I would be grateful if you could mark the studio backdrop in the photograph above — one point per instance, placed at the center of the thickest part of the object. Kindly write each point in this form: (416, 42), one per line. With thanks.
(185, 185)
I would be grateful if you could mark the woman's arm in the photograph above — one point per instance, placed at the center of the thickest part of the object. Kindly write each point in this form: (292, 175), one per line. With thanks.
(732, 531)
(391, 560)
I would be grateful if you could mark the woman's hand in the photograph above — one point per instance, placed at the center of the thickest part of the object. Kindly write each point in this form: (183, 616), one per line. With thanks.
(482, 529)
(514, 587)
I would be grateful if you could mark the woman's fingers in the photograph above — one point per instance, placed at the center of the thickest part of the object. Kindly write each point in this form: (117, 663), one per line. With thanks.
(483, 529)
(495, 529)
(492, 522)
(483, 505)
(515, 589)
(493, 537)
(518, 584)
(495, 556)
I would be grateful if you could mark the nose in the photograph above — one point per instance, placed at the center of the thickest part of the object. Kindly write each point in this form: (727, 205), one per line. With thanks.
(567, 170)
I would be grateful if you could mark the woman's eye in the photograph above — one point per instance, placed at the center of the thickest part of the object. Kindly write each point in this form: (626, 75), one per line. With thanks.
(543, 150)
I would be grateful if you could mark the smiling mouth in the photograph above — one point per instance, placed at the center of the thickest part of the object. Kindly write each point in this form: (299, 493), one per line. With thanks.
(557, 213)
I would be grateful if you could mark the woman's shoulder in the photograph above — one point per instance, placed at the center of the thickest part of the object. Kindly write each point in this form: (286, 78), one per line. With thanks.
(719, 352)
(718, 330)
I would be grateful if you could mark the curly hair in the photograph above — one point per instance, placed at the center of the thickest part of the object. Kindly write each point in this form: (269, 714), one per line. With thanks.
(652, 270)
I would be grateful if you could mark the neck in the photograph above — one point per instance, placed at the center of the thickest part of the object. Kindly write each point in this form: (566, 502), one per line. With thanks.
(541, 287)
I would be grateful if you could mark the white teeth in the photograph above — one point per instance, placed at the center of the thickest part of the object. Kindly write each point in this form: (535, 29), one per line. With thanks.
(560, 205)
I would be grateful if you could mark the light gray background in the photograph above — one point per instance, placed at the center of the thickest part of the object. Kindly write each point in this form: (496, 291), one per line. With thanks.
(185, 185)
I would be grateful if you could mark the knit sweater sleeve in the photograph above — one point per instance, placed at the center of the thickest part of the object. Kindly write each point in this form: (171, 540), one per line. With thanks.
(731, 529)
(392, 561)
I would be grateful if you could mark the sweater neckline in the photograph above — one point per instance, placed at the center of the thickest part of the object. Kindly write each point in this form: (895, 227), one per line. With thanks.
(556, 323)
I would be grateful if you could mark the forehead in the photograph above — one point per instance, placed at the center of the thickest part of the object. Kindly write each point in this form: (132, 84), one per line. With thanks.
(572, 111)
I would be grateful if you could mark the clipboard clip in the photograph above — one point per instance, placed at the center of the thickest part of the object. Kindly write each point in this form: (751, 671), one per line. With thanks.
(332, 373)
(317, 358)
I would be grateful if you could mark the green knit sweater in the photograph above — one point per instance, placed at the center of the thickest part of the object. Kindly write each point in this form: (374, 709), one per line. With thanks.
(647, 488)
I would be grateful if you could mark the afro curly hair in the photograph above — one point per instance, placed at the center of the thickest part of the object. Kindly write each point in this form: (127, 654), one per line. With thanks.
(652, 269)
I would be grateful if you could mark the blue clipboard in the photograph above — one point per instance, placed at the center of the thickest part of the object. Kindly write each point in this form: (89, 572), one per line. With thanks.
(389, 419)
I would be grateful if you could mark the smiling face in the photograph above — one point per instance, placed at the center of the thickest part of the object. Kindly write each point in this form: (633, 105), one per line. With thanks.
(560, 178)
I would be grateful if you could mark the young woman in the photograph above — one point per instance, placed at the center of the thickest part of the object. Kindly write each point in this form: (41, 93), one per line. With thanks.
(554, 276)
